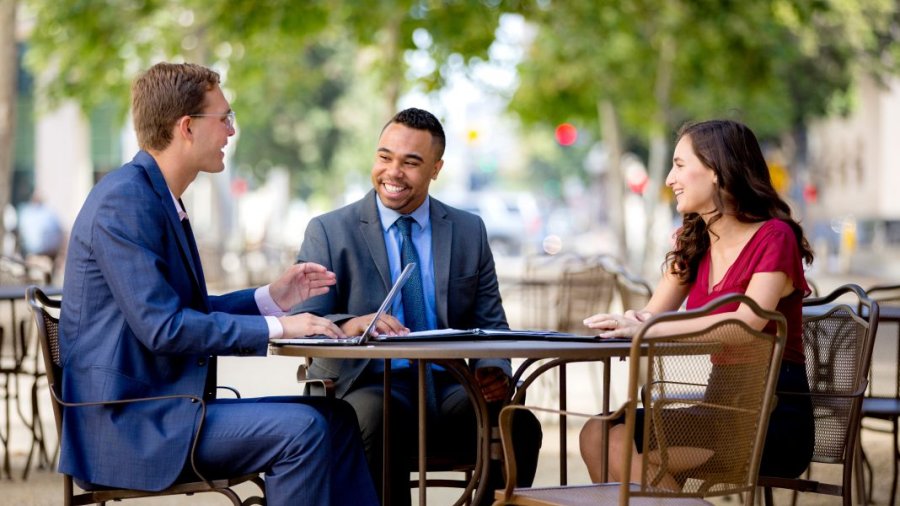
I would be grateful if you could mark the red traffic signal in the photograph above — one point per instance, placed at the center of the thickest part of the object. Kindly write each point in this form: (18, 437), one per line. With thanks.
(566, 134)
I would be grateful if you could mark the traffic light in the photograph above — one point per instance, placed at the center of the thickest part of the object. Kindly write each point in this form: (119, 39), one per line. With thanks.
(566, 134)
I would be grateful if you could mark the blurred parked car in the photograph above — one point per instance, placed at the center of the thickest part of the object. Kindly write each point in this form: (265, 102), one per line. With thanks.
(513, 221)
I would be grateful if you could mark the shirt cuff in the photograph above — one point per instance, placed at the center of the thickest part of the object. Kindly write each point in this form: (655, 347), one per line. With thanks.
(276, 330)
(266, 304)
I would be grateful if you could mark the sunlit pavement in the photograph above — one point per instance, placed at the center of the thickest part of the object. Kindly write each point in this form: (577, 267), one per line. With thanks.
(276, 375)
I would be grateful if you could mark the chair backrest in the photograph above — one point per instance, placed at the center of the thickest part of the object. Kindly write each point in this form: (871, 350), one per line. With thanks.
(885, 295)
(888, 299)
(838, 337)
(634, 292)
(46, 317)
(707, 395)
(586, 287)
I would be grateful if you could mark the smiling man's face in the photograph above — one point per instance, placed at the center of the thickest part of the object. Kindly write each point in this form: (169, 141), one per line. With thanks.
(405, 164)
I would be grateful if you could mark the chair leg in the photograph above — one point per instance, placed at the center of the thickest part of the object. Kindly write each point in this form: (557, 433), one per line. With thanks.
(867, 468)
(230, 494)
(259, 482)
(795, 494)
(859, 474)
(896, 458)
(767, 493)
(7, 465)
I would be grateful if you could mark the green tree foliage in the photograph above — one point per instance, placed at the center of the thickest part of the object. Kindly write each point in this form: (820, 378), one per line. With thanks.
(772, 63)
(654, 64)
(307, 78)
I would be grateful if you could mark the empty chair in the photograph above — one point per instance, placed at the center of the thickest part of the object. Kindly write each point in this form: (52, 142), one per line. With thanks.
(883, 406)
(838, 336)
(706, 395)
(46, 317)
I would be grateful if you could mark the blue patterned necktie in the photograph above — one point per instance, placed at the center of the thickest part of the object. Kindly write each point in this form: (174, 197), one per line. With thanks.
(212, 374)
(413, 297)
(413, 294)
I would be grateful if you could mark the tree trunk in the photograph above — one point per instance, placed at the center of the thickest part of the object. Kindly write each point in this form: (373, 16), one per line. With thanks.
(393, 58)
(659, 146)
(8, 89)
(615, 184)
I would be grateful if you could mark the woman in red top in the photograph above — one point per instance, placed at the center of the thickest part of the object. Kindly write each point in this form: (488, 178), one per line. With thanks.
(737, 236)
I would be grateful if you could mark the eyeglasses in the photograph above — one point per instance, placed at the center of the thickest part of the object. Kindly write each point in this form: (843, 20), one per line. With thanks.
(228, 117)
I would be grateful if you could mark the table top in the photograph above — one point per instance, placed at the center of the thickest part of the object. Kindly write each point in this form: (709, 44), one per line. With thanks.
(18, 291)
(481, 348)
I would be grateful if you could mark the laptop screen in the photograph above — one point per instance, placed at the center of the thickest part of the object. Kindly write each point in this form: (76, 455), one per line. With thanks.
(389, 300)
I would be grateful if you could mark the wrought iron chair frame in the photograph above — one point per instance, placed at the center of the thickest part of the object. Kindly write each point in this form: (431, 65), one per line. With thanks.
(48, 335)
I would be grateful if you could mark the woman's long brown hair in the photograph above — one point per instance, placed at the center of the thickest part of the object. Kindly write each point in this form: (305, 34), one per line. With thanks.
(731, 150)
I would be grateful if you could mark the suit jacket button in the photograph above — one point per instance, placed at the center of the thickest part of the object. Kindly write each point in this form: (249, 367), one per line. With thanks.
(201, 362)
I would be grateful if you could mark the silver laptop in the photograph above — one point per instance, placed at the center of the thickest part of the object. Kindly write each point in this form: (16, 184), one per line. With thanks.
(370, 329)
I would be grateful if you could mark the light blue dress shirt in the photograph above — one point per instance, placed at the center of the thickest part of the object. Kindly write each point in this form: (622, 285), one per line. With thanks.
(421, 237)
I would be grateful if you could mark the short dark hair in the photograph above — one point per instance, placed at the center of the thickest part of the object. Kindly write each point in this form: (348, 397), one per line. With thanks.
(165, 93)
(420, 119)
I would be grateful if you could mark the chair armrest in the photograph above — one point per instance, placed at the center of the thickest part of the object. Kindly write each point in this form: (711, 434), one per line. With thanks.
(230, 389)
(303, 379)
(859, 392)
(509, 454)
(192, 398)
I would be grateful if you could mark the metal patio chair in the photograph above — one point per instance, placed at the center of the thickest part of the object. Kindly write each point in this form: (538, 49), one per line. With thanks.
(46, 317)
(838, 338)
(704, 425)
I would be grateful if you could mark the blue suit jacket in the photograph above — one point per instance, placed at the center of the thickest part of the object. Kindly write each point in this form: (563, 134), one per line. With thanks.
(136, 321)
(350, 242)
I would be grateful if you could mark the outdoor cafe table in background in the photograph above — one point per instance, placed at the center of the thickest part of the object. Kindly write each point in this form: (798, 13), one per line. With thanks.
(450, 354)
(16, 353)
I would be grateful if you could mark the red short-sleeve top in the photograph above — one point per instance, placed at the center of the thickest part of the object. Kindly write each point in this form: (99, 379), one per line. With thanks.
(773, 248)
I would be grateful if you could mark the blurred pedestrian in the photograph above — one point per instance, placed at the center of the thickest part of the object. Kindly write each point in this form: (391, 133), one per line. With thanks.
(39, 229)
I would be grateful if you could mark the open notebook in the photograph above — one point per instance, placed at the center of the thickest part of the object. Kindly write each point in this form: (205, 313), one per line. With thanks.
(370, 329)
(496, 334)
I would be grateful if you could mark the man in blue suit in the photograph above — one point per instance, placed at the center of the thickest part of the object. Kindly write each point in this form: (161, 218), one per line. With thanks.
(365, 244)
(137, 321)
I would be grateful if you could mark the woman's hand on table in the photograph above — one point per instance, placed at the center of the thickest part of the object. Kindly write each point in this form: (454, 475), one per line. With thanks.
(617, 325)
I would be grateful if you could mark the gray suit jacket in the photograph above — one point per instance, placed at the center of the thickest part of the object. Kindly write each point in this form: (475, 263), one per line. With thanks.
(350, 242)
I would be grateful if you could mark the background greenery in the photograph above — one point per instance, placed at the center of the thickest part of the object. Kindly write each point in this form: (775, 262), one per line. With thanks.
(312, 80)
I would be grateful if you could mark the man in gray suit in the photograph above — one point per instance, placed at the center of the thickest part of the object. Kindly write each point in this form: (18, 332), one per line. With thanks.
(366, 244)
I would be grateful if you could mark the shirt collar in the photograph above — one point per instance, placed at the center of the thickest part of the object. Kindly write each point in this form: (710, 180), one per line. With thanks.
(388, 216)
(181, 212)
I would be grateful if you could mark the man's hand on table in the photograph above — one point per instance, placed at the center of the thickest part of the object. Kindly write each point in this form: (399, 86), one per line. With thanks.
(387, 325)
(494, 383)
(308, 324)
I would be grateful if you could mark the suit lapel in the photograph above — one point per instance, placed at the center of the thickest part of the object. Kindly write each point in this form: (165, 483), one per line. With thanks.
(188, 247)
(441, 246)
(370, 228)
